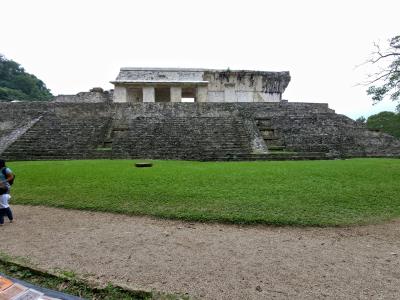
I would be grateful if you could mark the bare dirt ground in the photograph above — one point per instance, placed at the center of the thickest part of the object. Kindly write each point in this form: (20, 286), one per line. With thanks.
(211, 261)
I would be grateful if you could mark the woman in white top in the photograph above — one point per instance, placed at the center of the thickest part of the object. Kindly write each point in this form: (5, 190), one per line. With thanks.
(5, 209)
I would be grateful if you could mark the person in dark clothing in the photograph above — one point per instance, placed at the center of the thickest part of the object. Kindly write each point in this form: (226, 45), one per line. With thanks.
(6, 176)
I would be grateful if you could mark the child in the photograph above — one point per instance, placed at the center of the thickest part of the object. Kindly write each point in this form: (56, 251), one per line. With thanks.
(5, 209)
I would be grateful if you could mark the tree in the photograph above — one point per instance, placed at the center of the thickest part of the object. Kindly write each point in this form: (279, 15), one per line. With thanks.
(16, 84)
(386, 121)
(361, 120)
(385, 83)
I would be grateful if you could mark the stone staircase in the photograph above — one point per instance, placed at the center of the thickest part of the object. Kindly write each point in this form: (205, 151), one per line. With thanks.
(202, 131)
(270, 134)
(275, 142)
(7, 137)
(204, 138)
(59, 137)
(154, 137)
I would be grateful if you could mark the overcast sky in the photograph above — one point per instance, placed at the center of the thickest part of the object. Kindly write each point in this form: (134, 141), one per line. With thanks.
(76, 45)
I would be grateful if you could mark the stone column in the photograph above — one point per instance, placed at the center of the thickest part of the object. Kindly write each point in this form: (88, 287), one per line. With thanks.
(229, 93)
(176, 94)
(120, 94)
(201, 94)
(148, 94)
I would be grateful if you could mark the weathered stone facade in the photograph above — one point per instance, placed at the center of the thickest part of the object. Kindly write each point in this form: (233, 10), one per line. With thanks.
(237, 115)
(201, 85)
(194, 131)
(95, 95)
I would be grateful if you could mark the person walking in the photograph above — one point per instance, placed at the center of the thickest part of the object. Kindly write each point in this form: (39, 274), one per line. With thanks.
(6, 179)
(5, 209)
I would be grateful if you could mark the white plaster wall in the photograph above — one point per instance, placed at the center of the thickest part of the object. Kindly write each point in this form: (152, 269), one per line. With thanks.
(160, 75)
(120, 94)
(215, 96)
(245, 84)
(201, 94)
(176, 94)
(148, 94)
(245, 96)
(233, 88)
(267, 97)
(229, 93)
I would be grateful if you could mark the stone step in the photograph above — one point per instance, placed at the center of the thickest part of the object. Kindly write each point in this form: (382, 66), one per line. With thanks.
(181, 138)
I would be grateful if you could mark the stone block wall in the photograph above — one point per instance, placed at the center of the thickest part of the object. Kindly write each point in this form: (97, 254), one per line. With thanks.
(245, 86)
(95, 95)
(16, 118)
(309, 127)
(59, 137)
(197, 131)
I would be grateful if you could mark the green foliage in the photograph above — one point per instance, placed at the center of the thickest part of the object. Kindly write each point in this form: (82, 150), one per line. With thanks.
(71, 286)
(11, 94)
(361, 120)
(16, 84)
(386, 121)
(312, 193)
(386, 82)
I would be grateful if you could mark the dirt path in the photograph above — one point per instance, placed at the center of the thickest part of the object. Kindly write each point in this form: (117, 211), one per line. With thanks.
(208, 260)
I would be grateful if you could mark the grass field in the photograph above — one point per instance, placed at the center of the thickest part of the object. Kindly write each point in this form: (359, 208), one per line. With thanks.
(317, 193)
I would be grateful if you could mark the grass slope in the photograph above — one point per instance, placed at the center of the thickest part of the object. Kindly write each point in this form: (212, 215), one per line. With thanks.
(68, 283)
(318, 193)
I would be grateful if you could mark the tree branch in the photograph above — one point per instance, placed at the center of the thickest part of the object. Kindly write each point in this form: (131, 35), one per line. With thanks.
(382, 56)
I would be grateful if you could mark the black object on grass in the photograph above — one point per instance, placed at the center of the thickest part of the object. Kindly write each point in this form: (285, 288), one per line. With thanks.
(143, 165)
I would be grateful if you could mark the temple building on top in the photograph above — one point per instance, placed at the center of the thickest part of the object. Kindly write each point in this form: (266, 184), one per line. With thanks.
(198, 85)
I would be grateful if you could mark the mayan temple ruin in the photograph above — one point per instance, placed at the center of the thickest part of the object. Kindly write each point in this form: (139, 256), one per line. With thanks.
(202, 85)
(193, 114)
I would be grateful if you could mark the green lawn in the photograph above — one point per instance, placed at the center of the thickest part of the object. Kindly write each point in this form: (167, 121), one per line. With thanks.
(320, 193)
